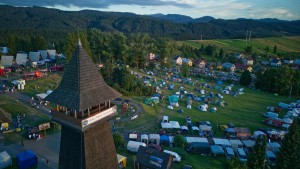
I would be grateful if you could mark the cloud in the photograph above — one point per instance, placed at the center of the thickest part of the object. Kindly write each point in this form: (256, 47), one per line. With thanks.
(96, 3)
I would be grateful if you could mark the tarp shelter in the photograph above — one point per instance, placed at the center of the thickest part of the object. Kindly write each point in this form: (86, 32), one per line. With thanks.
(7, 60)
(21, 58)
(196, 140)
(236, 144)
(222, 142)
(2, 70)
(26, 159)
(217, 150)
(154, 138)
(5, 160)
(170, 125)
(122, 160)
(219, 82)
(205, 128)
(144, 138)
(34, 56)
(52, 54)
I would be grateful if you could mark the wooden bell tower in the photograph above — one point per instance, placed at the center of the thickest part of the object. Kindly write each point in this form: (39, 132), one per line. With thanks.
(83, 106)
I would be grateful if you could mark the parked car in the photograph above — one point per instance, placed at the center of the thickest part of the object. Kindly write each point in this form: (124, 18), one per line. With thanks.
(229, 152)
(176, 157)
(241, 154)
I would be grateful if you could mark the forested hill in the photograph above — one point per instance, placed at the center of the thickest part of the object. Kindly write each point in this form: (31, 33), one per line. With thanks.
(53, 24)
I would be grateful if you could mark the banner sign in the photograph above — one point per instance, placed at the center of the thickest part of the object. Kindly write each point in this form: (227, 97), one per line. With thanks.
(44, 126)
(98, 116)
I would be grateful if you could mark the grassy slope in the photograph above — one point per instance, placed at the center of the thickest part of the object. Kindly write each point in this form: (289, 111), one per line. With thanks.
(284, 44)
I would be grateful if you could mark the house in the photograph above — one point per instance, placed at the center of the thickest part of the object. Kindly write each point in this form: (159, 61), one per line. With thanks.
(228, 66)
(265, 62)
(297, 62)
(21, 58)
(4, 50)
(150, 158)
(177, 60)
(271, 58)
(200, 63)
(152, 56)
(259, 68)
(247, 61)
(239, 56)
(288, 61)
(187, 61)
(242, 67)
(275, 62)
(52, 53)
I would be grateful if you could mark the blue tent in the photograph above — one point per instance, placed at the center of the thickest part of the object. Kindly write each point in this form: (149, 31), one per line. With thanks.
(171, 86)
(156, 95)
(215, 149)
(26, 159)
(219, 82)
(164, 139)
(173, 99)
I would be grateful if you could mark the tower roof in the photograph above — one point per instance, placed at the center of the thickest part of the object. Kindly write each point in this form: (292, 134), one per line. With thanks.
(82, 86)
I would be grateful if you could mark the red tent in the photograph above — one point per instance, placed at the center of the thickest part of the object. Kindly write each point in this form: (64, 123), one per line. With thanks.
(2, 71)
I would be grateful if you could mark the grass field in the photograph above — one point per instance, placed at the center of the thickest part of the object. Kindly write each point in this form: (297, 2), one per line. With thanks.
(33, 117)
(288, 45)
(244, 111)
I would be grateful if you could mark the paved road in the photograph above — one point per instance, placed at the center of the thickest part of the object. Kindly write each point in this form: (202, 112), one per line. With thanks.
(45, 148)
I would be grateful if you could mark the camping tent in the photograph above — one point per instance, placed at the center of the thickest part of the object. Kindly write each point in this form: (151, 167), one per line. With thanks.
(258, 133)
(154, 138)
(7, 60)
(213, 109)
(203, 107)
(144, 138)
(21, 58)
(26, 159)
(174, 100)
(5, 160)
(44, 54)
(219, 82)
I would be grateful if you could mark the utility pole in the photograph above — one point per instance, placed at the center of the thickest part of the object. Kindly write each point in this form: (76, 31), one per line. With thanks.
(291, 91)
(246, 36)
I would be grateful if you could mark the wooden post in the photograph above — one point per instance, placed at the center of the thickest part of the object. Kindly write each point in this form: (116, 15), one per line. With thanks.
(89, 112)
(75, 114)
(108, 103)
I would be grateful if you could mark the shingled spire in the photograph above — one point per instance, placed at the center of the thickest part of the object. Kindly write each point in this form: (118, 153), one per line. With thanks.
(82, 86)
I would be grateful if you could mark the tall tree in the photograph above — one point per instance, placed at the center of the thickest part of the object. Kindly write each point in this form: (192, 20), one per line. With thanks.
(257, 158)
(246, 78)
(275, 49)
(289, 154)
(184, 70)
(221, 53)
(12, 44)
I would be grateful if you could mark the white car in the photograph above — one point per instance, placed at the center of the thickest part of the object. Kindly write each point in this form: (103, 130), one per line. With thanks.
(176, 157)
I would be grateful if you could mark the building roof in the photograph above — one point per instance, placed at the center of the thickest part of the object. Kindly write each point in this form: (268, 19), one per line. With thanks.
(7, 60)
(152, 158)
(21, 58)
(34, 56)
(82, 86)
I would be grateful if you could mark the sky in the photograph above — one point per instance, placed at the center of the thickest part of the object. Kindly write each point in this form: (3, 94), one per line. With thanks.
(225, 9)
